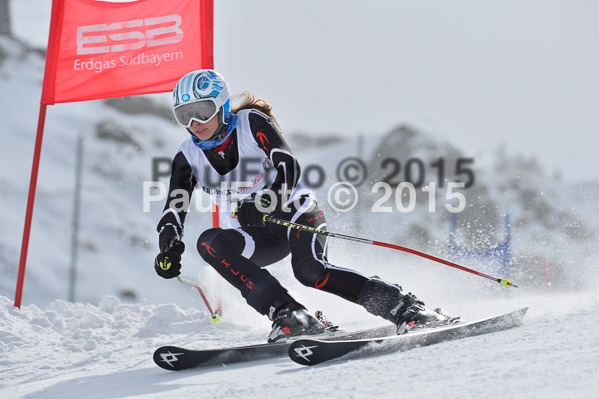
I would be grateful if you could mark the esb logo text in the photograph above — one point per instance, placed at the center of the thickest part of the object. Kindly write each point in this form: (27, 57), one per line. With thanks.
(120, 36)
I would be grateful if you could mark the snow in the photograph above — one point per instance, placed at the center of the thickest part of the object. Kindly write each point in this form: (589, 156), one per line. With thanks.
(69, 350)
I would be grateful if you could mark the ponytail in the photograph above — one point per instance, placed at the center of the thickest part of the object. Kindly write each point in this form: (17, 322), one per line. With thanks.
(248, 101)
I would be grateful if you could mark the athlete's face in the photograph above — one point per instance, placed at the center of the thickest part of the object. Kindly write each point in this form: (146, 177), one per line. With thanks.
(205, 131)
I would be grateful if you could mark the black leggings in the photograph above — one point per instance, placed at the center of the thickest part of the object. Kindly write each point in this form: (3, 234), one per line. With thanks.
(239, 255)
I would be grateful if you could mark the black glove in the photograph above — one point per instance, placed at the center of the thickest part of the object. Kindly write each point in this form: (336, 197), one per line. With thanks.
(168, 262)
(248, 213)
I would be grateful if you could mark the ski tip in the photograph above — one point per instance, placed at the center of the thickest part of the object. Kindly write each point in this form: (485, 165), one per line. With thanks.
(168, 356)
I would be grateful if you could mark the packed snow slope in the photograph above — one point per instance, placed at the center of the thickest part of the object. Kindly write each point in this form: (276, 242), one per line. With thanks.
(101, 345)
(67, 350)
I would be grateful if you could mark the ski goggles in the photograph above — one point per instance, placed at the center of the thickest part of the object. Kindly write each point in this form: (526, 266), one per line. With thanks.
(200, 111)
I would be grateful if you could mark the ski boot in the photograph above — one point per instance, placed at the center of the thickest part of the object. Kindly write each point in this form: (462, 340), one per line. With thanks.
(404, 310)
(411, 313)
(292, 320)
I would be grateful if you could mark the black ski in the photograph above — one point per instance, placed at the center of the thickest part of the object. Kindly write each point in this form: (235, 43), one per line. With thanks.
(314, 351)
(177, 358)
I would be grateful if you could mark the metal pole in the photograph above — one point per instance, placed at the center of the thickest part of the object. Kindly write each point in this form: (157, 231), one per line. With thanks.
(75, 226)
(214, 315)
(5, 27)
(505, 282)
(30, 201)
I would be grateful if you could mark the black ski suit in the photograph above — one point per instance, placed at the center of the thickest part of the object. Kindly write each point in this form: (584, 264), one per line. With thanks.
(230, 251)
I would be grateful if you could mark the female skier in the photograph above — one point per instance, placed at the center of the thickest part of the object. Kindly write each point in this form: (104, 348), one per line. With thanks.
(239, 155)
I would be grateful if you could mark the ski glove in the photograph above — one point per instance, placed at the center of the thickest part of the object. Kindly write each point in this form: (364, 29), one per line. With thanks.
(168, 262)
(248, 213)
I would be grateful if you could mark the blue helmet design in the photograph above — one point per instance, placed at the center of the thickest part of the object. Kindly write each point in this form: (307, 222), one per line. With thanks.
(202, 85)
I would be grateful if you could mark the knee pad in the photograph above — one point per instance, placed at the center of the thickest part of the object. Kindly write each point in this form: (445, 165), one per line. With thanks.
(308, 270)
(206, 243)
(218, 243)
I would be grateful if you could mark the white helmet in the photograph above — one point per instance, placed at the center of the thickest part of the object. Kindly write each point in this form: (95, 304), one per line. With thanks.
(199, 96)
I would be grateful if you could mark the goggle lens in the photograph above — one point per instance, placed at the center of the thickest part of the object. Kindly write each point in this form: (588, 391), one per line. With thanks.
(201, 111)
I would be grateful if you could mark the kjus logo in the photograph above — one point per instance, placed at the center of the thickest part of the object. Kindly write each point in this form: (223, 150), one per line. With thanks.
(209, 249)
(119, 36)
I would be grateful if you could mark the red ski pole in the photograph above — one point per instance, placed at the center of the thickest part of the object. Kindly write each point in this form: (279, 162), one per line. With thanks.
(505, 282)
(214, 316)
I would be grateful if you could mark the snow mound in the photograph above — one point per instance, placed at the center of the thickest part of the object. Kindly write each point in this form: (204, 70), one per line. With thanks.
(76, 330)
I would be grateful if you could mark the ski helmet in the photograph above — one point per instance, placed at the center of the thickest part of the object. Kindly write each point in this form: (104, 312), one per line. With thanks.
(200, 96)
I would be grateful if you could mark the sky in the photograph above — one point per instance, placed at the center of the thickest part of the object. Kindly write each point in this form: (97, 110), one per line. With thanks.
(479, 74)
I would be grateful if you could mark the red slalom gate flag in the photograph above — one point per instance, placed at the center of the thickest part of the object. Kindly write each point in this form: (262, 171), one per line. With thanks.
(98, 49)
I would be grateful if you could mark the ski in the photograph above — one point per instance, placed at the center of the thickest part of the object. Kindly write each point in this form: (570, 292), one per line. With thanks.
(176, 358)
(310, 352)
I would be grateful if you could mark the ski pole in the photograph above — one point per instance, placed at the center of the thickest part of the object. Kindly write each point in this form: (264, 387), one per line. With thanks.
(505, 282)
(214, 316)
